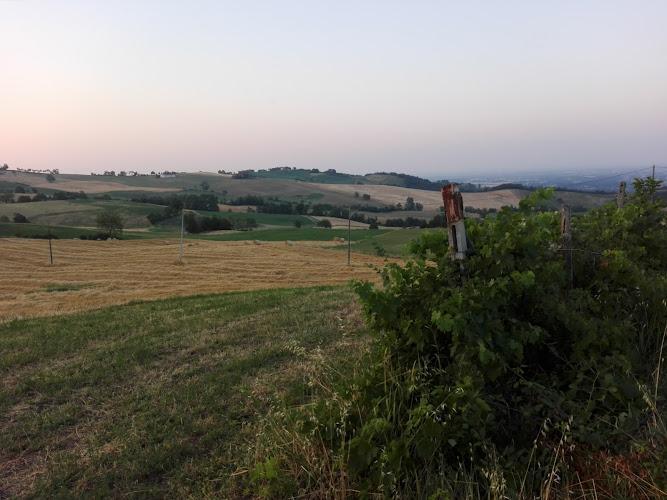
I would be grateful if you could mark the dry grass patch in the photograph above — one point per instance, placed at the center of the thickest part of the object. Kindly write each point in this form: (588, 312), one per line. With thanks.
(92, 274)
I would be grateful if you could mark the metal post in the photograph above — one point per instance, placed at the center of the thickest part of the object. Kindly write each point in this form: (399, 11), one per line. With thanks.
(180, 250)
(349, 235)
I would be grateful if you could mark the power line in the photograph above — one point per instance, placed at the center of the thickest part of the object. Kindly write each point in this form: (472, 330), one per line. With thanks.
(598, 179)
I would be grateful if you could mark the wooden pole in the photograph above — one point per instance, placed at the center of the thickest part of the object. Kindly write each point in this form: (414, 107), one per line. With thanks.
(50, 248)
(653, 177)
(620, 197)
(454, 214)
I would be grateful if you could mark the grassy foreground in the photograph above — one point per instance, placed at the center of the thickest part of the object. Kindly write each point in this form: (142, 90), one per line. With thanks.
(162, 398)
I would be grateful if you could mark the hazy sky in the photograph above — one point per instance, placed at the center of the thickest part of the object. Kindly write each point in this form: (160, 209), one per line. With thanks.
(427, 88)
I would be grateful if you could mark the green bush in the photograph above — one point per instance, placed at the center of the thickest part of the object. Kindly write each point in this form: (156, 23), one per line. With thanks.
(511, 367)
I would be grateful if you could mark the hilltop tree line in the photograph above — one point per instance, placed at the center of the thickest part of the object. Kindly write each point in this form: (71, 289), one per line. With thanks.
(29, 194)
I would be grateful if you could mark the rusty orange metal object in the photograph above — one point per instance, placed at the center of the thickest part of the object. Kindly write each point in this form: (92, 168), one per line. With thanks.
(453, 201)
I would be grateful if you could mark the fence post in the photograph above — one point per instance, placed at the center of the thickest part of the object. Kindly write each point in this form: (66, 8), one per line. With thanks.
(566, 240)
(456, 229)
(620, 197)
(50, 249)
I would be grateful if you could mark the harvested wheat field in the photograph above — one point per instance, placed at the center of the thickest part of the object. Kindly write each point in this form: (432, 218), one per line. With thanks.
(432, 200)
(92, 274)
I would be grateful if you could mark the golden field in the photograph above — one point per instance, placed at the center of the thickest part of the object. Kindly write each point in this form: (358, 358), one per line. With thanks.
(91, 274)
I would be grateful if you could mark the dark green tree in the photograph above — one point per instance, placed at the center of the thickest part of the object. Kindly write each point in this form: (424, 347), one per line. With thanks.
(110, 222)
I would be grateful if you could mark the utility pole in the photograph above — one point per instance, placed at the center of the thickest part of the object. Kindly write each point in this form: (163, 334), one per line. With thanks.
(653, 177)
(180, 250)
(349, 235)
(50, 249)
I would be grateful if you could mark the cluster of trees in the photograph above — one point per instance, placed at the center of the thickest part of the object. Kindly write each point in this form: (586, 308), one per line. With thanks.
(274, 205)
(18, 218)
(28, 194)
(173, 204)
(195, 223)
(111, 223)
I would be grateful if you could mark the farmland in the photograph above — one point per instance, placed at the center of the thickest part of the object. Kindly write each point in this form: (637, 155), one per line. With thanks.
(92, 274)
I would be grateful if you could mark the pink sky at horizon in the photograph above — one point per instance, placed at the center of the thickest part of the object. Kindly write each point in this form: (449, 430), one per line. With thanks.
(421, 88)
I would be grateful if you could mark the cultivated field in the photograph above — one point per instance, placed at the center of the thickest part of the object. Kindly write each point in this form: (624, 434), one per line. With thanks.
(92, 274)
(432, 200)
(90, 185)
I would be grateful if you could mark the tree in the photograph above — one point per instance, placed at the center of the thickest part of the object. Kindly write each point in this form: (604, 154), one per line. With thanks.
(297, 223)
(19, 189)
(50, 177)
(110, 222)
(20, 218)
(409, 203)
(204, 186)
(366, 196)
(325, 223)
(4, 168)
(4, 218)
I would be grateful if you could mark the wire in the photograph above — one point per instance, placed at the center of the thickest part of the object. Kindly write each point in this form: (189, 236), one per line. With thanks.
(598, 179)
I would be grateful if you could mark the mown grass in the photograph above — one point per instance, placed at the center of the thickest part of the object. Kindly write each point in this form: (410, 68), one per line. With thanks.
(158, 399)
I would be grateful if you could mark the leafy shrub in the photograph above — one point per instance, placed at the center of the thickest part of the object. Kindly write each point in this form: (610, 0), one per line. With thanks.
(475, 364)
(325, 223)
(20, 218)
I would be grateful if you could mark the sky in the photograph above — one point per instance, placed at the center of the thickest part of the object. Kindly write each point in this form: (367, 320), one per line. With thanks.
(426, 88)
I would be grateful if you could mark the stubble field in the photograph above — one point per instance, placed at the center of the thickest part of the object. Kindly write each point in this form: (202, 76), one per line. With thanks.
(92, 274)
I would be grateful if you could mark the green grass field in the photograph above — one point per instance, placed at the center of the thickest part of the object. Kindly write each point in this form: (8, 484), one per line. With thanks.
(262, 218)
(292, 234)
(159, 399)
(393, 243)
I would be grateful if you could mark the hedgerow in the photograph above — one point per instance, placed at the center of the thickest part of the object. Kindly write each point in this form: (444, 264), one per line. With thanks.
(513, 370)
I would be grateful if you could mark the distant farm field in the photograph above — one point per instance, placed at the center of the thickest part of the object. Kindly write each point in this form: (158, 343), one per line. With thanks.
(92, 274)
